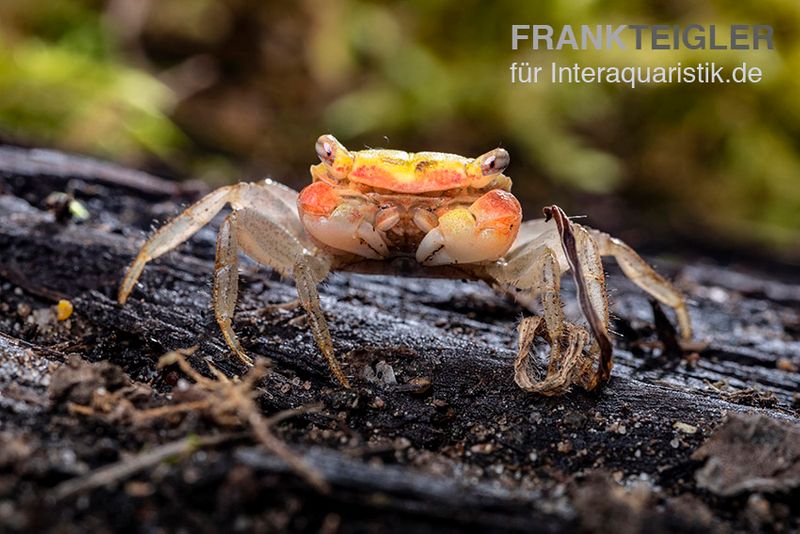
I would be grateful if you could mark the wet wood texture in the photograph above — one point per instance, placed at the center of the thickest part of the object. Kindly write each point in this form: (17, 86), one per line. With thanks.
(434, 436)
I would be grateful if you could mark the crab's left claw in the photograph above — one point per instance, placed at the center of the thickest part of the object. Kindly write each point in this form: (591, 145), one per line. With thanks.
(482, 232)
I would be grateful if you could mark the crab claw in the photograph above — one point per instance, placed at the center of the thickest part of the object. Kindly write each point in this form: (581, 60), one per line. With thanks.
(482, 232)
(339, 222)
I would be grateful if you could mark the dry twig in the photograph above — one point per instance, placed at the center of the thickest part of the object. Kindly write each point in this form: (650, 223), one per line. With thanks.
(229, 402)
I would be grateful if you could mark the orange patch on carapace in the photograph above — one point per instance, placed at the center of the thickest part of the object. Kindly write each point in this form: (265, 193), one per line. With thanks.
(318, 199)
(442, 179)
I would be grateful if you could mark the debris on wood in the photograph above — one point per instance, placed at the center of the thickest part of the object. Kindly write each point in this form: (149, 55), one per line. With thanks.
(435, 434)
(750, 454)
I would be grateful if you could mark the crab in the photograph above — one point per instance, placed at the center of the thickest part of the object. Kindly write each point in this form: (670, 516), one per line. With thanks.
(425, 214)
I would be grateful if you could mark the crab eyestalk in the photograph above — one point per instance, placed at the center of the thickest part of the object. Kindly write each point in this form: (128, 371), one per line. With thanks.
(335, 158)
(487, 167)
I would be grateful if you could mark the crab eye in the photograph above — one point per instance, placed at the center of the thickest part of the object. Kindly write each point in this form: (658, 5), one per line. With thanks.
(494, 162)
(326, 148)
(336, 159)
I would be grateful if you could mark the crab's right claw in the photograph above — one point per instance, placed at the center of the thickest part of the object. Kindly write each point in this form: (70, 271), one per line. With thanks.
(482, 232)
(339, 223)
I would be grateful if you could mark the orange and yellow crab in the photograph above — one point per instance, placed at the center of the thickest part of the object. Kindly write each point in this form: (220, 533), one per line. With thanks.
(427, 214)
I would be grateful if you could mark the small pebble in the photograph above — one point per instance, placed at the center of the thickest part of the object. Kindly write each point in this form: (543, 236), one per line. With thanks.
(564, 447)
(385, 373)
(23, 309)
(63, 310)
(482, 448)
(759, 507)
(421, 385)
(684, 427)
(717, 294)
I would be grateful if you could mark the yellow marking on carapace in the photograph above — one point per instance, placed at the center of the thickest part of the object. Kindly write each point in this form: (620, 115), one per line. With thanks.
(406, 172)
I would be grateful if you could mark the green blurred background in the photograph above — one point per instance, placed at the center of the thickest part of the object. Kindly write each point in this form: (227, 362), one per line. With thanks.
(224, 90)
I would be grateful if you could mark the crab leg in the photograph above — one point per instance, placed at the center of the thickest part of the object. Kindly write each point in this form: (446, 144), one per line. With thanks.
(587, 270)
(309, 298)
(543, 276)
(267, 196)
(174, 233)
(537, 270)
(641, 274)
(536, 266)
(568, 363)
(270, 244)
(564, 367)
(265, 226)
(226, 284)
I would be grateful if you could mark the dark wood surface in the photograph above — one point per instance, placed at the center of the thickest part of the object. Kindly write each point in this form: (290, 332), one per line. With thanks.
(453, 444)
